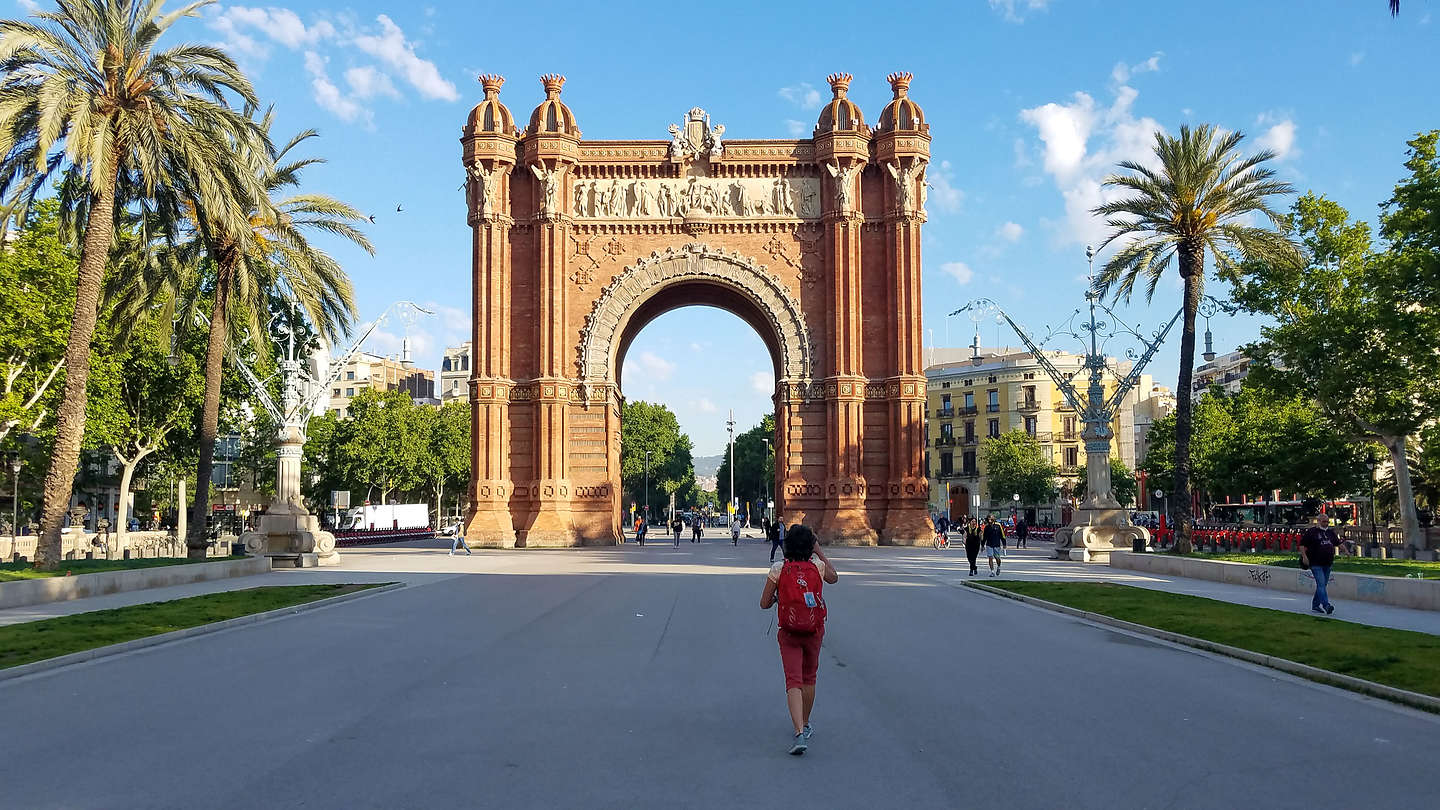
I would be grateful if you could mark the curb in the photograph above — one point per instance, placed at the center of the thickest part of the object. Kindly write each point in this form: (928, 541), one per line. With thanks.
(44, 591)
(82, 656)
(1325, 676)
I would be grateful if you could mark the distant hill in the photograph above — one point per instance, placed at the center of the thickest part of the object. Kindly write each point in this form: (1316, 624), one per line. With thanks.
(707, 466)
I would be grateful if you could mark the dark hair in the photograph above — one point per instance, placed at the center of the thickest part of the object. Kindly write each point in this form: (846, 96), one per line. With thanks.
(799, 542)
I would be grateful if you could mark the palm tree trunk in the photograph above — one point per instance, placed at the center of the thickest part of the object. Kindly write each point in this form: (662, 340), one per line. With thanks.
(195, 541)
(70, 418)
(1192, 270)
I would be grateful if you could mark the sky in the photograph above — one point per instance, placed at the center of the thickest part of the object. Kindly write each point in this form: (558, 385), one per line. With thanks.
(1030, 104)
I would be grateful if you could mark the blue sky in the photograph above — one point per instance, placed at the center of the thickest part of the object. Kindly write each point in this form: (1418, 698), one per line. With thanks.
(1030, 103)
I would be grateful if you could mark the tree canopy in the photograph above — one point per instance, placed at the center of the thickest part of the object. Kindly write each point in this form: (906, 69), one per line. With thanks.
(754, 466)
(1015, 464)
(652, 427)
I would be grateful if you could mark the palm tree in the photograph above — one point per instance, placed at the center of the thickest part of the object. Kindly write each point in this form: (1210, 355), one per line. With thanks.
(1196, 201)
(240, 264)
(84, 91)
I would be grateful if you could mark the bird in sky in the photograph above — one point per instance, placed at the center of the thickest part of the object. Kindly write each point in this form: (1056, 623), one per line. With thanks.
(398, 209)
(372, 219)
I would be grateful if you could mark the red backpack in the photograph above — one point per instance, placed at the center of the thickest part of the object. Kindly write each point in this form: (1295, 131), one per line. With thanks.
(802, 605)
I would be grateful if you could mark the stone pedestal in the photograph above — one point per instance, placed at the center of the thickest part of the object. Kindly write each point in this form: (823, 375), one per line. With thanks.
(288, 534)
(1095, 531)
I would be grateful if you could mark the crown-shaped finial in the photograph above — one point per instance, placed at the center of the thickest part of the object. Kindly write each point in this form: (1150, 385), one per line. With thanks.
(553, 82)
(492, 83)
(840, 83)
(899, 82)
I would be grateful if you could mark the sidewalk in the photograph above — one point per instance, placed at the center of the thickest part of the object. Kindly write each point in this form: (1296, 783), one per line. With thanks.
(1034, 564)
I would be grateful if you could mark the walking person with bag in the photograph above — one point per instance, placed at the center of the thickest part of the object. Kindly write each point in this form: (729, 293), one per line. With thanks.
(973, 537)
(677, 525)
(796, 585)
(994, 536)
(734, 531)
(1317, 553)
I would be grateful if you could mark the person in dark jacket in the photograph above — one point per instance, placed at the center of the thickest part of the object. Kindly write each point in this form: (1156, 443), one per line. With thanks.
(972, 543)
(1022, 531)
(677, 525)
(994, 544)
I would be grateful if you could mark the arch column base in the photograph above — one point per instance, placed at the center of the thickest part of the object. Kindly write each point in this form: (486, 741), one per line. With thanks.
(907, 517)
(488, 523)
(844, 521)
(551, 526)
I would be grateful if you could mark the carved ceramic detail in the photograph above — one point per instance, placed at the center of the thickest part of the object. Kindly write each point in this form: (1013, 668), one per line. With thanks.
(808, 267)
(654, 198)
(693, 262)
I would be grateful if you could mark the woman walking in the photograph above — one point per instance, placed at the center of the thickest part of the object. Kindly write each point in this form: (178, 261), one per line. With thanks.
(972, 543)
(797, 584)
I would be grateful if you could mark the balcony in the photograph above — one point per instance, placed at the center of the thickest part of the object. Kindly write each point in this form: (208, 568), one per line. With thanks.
(1064, 406)
(972, 475)
(971, 441)
(1069, 469)
(945, 413)
(968, 410)
(945, 441)
(1028, 406)
(993, 407)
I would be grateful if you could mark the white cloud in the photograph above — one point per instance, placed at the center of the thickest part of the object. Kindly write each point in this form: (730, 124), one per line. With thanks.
(943, 194)
(367, 82)
(704, 405)
(763, 382)
(277, 24)
(803, 95)
(1010, 232)
(1279, 137)
(1122, 72)
(796, 128)
(654, 367)
(960, 271)
(1081, 142)
(1015, 10)
(328, 96)
(392, 48)
(1356, 58)
(28, 6)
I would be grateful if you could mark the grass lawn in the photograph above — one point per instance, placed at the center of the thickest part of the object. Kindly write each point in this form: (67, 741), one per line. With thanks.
(1399, 658)
(10, 572)
(1349, 565)
(47, 638)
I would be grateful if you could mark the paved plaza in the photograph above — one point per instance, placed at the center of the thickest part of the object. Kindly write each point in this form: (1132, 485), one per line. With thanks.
(648, 677)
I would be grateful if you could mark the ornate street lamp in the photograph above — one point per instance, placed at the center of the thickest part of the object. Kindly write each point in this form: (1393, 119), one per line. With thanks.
(1099, 525)
(15, 507)
(1371, 462)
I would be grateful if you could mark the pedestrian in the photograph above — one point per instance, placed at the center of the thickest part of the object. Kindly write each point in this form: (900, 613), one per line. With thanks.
(972, 543)
(459, 542)
(797, 584)
(994, 536)
(641, 527)
(677, 525)
(734, 531)
(772, 533)
(1022, 531)
(1317, 552)
(695, 530)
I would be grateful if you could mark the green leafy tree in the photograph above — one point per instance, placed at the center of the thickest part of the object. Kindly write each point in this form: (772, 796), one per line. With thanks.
(383, 441)
(1122, 482)
(1197, 202)
(446, 432)
(1015, 464)
(86, 92)
(1355, 329)
(139, 396)
(37, 275)
(646, 426)
(754, 465)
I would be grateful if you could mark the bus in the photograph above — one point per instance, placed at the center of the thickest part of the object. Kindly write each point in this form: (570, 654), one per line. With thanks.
(1284, 513)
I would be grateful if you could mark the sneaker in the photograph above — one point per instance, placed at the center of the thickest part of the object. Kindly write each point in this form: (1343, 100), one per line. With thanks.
(1329, 609)
(1317, 609)
(798, 745)
(807, 731)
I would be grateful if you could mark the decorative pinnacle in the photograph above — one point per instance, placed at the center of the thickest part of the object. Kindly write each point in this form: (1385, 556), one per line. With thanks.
(552, 82)
(899, 82)
(492, 83)
(840, 83)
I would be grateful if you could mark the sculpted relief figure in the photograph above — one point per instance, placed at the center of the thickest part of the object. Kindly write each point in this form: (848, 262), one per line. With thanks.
(844, 185)
(550, 180)
(677, 142)
(580, 196)
(905, 183)
(780, 198)
(616, 194)
(486, 187)
(808, 206)
(643, 199)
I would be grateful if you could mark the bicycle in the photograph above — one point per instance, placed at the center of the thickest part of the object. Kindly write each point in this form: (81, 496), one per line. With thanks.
(942, 540)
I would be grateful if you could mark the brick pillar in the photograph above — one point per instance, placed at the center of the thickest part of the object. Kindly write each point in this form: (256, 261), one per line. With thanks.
(550, 524)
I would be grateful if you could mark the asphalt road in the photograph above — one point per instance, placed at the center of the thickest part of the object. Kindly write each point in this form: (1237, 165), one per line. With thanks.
(649, 678)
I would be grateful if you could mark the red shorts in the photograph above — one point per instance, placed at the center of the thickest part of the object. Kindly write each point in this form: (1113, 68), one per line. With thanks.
(800, 654)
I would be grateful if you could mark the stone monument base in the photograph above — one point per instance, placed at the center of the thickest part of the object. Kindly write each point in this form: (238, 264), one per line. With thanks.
(292, 539)
(1096, 531)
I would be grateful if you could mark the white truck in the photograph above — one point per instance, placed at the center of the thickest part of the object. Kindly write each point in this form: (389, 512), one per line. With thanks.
(386, 517)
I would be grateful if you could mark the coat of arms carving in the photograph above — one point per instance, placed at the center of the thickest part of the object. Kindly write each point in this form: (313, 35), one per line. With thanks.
(695, 137)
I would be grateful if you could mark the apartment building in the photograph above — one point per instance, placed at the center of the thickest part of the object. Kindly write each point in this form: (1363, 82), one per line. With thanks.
(367, 370)
(455, 374)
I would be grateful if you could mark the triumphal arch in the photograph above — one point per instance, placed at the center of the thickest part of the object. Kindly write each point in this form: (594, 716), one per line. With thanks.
(815, 242)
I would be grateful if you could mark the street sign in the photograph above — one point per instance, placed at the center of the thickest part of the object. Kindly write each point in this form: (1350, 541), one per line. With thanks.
(340, 499)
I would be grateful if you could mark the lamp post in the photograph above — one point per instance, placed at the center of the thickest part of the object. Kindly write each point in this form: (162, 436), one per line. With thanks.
(729, 510)
(647, 486)
(1015, 506)
(1371, 461)
(15, 506)
(764, 484)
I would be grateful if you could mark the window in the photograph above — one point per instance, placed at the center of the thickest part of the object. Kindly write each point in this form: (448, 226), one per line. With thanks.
(1069, 427)
(994, 428)
(349, 375)
(454, 385)
(945, 384)
(1049, 452)
(349, 392)
(969, 399)
(967, 382)
(1030, 396)
(1072, 456)
(1029, 375)
(335, 392)
(465, 362)
(993, 404)
(445, 365)
(947, 463)
(969, 431)
(947, 430)
(968, 460)
(944, 402)
(1030, 426)
(992, 378)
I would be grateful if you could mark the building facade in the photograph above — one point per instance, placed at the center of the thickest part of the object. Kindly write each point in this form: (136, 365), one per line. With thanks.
(455, 374)
(1227, 371)
(992, 393)
(372, 371)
